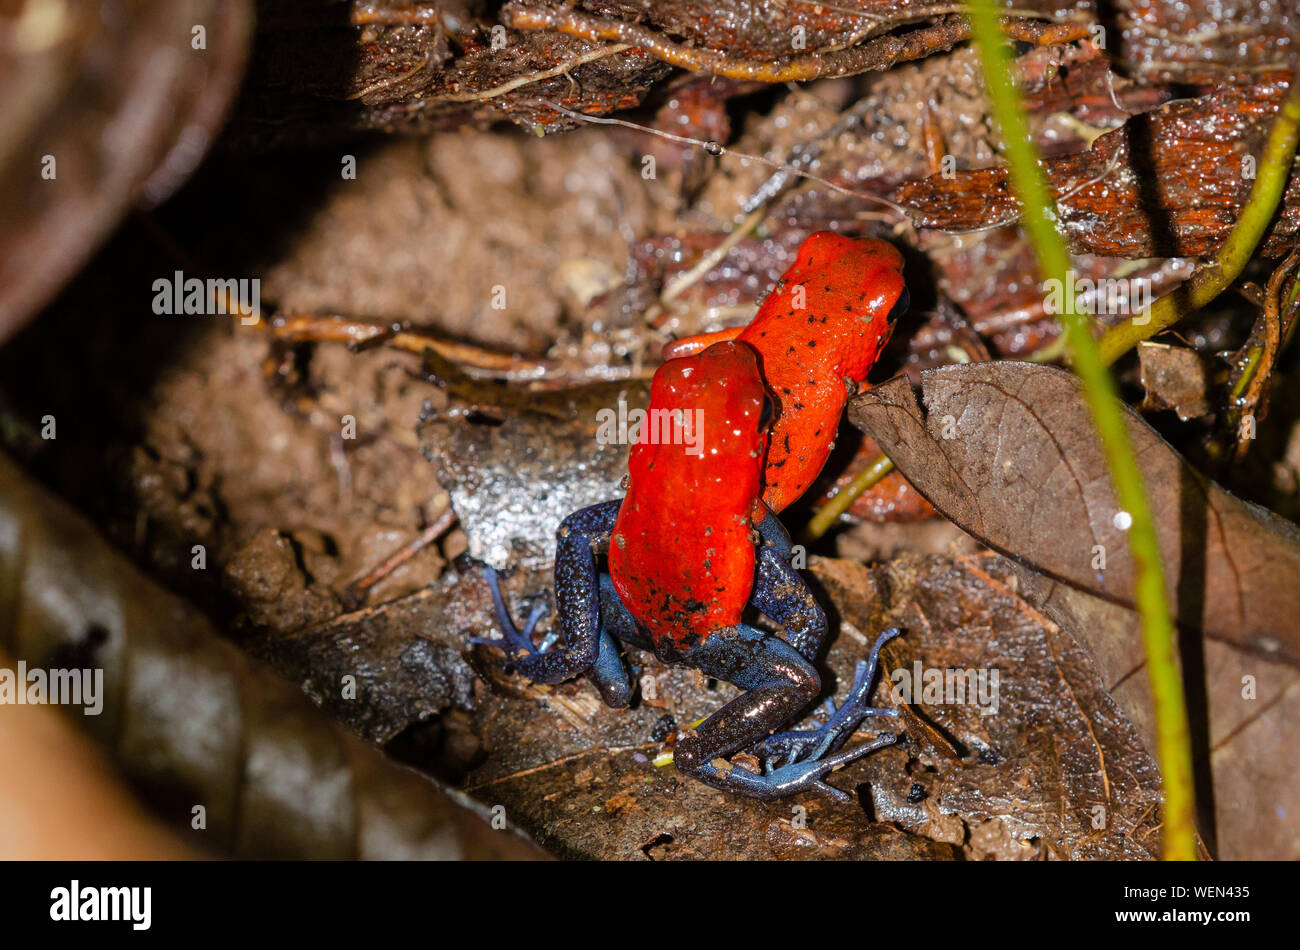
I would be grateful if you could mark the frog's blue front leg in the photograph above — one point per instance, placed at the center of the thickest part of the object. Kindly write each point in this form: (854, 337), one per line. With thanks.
(584, 605)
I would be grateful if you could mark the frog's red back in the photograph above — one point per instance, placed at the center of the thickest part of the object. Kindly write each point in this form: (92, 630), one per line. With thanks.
(681, 556)
(824, 323)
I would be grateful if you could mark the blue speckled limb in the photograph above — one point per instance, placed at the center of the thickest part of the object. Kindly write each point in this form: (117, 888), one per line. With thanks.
(782, 594)
(797, 745)
(585, 606)
(777, 674)
(779, 683)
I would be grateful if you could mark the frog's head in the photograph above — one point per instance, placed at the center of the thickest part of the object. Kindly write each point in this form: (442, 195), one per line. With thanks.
(844, 293)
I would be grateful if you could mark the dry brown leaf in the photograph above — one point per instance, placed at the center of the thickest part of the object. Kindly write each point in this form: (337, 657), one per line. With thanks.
(118, 108)
(1007, 451)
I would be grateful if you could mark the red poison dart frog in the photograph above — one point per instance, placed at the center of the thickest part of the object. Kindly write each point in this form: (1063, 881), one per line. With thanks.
(817, 335)
(683, 561)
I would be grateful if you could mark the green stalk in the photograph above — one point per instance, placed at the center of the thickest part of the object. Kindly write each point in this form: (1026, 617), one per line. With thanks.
(1210, 281)
(1172, 735)
(825, 517)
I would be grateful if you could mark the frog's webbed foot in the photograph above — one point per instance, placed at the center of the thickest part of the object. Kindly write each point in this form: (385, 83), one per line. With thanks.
(778, 684)
(515, 643)
(792, 778)
(813, 744)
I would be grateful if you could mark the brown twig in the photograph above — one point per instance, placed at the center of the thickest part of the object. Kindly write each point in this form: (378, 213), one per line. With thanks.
(355, 594)
(877, 54)
(563, 69)
(1259, 368)
(300, 327)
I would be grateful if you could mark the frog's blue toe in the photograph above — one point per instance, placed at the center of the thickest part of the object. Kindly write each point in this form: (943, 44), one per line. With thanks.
(788, 779)
(512, 640)
(807, 745)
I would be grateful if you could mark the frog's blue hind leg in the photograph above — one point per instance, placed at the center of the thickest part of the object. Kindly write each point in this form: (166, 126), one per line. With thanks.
(513, 640)
(586, 607)
(781, 593)
(778, 683)
(772, 532)
(797, 745)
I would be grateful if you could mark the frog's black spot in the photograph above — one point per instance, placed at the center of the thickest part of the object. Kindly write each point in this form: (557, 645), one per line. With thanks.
(916, 795)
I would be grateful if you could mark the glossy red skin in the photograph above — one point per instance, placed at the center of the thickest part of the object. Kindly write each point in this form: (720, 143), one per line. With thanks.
(681, 554)
(814, 358)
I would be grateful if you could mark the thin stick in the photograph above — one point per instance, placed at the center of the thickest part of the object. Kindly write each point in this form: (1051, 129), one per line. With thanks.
(588, 57)
(355, 594)
(718, 149)
(294, 327)
(878, 54)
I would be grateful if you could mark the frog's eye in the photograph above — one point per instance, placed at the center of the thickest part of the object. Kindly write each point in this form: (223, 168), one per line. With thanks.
(765, 415)
(899, 308)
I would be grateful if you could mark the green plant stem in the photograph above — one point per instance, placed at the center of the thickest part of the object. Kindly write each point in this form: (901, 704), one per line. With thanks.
(1172, 735)
(825, 517)
(1210, 281)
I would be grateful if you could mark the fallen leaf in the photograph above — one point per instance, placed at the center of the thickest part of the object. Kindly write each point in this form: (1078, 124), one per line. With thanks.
(1007, 451)
(1044, 751)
